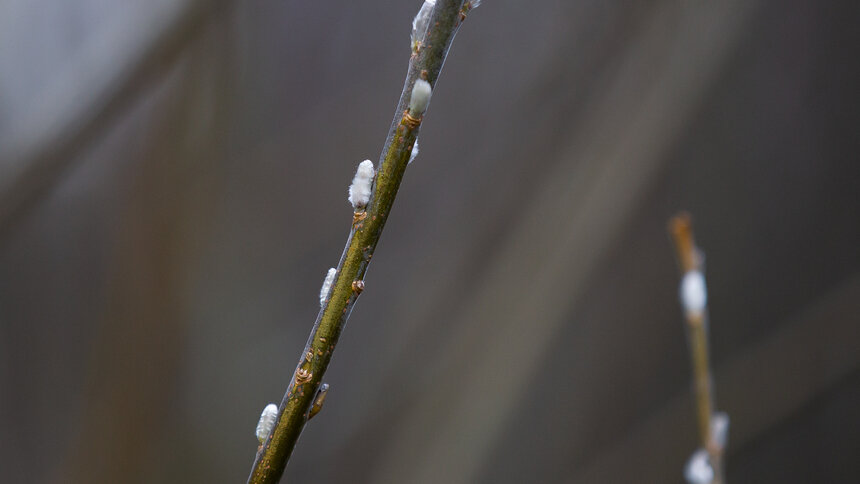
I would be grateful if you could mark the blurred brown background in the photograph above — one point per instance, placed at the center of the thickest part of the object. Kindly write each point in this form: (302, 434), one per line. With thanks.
(173, 179)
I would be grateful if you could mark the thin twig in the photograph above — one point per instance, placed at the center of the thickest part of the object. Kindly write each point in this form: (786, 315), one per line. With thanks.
(690, 261)
(681, 229)
(367, 226)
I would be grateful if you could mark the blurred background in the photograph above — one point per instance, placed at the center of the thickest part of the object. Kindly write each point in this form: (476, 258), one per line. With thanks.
(173, 178)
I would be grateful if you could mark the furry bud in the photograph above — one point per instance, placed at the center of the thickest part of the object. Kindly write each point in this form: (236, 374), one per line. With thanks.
(359, 190)
(420, 98)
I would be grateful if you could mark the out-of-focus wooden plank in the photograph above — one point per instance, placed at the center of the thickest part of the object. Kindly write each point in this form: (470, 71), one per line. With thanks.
(100, 85)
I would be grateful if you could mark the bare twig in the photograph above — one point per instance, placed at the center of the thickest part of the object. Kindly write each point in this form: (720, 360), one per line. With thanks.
(368, 221)
(689, 260)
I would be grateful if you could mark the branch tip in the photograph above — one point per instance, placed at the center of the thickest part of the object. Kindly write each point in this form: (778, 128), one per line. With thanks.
(420, 24)
(681, 230)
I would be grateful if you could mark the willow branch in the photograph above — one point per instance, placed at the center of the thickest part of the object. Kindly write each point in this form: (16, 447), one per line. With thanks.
(682, 234)
(295, 409)
(694, 300)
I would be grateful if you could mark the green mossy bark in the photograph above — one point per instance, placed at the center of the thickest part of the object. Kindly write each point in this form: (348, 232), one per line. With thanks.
(294, 409)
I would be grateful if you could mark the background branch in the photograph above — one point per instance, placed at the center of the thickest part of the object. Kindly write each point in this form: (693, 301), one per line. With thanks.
(690, 261)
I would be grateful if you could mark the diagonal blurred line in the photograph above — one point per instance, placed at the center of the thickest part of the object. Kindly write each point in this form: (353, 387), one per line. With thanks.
(103, 82)
(807, 356)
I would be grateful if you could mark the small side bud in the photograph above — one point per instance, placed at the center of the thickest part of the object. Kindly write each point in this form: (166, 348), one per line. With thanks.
(720, 430)
(319, 399)
(414, 153)
(467, 7)
(326, 287)
(694, 292)
(420, 24)
(420, 98)
(698, 469)
(267, 422)
(359, 190)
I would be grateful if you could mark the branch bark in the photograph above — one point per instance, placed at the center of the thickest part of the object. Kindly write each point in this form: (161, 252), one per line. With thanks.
(294, 411)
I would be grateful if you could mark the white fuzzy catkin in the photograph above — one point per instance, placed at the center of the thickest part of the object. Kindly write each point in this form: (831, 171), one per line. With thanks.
(326, 287)
(267, 422)
(420, 97)
(698, 469)
(414, 153)
(694, 292)
(720, 429)
(359, 190)
(421, 22)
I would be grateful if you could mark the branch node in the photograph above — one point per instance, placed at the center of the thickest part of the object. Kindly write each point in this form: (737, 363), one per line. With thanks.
(303, 376)
(358, 216)
(411, 121)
